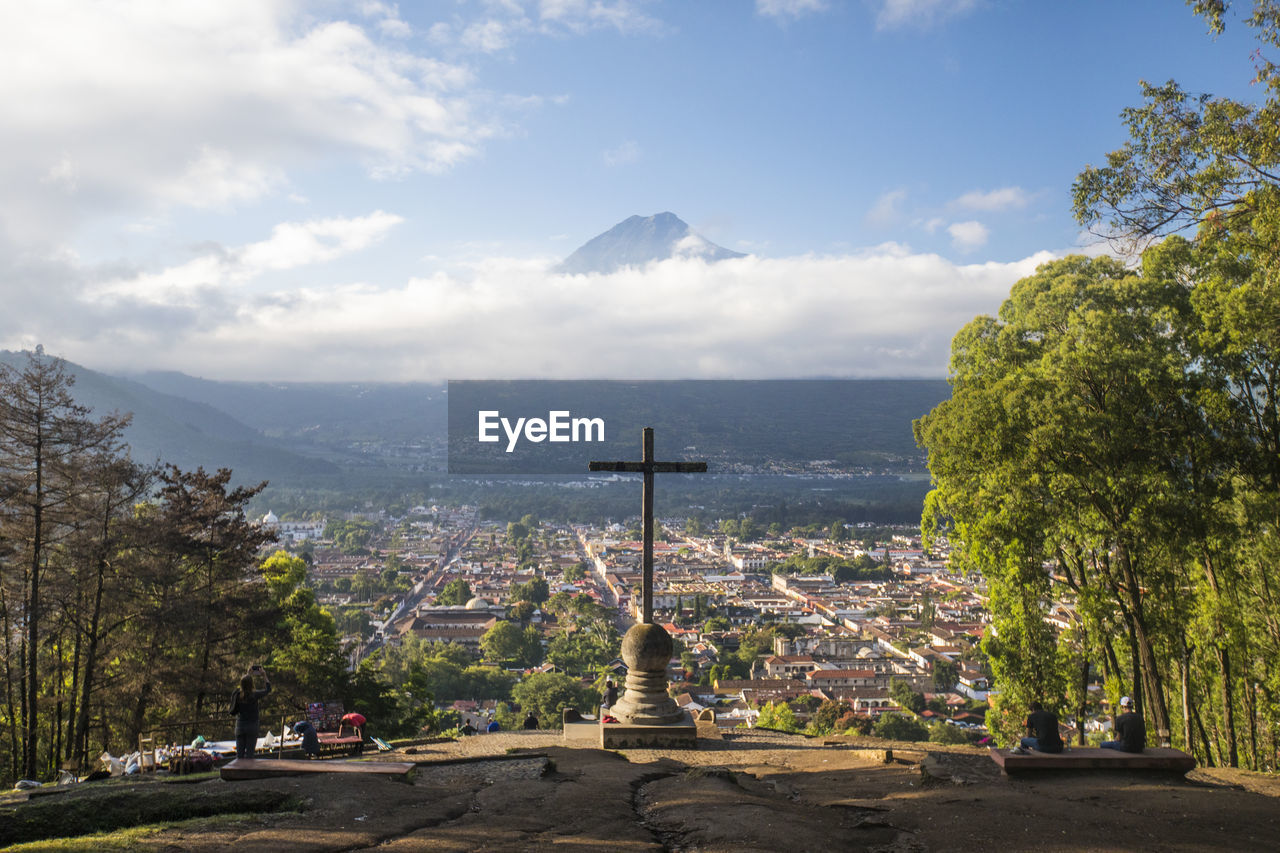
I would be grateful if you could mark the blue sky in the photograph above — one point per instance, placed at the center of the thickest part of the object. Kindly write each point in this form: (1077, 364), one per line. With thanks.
(263, 189)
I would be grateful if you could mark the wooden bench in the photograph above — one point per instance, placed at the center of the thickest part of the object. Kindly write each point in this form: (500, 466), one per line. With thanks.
(263, 768)
(1094, 759)
(331, 743)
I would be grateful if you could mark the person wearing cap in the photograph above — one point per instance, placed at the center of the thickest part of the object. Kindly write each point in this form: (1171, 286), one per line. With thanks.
(1130, 727)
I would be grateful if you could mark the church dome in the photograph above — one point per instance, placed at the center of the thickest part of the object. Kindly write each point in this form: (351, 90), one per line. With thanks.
(270, 518)
(477, 603)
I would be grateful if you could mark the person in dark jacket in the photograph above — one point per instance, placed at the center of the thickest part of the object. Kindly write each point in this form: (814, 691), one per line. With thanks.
(244, 707)
(1131, 729)
(1042, 730)
(310, 740)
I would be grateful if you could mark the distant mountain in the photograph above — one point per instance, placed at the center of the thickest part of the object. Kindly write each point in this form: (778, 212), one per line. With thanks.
(639, 240)
(184, 432)
(317, 412)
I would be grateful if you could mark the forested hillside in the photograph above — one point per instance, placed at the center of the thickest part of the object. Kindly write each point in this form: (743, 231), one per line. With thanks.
(131, 596)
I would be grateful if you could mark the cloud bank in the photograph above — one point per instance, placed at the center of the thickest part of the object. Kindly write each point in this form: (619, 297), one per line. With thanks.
(883, 312)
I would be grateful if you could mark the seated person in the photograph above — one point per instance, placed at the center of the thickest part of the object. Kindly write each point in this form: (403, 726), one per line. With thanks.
(1042, 728)
(1130, 728)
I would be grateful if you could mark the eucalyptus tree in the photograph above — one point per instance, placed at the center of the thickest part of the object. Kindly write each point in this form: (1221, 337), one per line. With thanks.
(1065, 443)
(1196, 163)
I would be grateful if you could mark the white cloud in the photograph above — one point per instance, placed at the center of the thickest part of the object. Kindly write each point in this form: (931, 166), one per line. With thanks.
(1005, 198)
(919, 13)
(887, 209)
(490, 36)
(885, 311)
(153, 104)
(583, 15)
(789, 8)
(626, 153)
(291, 245)
(967, 236)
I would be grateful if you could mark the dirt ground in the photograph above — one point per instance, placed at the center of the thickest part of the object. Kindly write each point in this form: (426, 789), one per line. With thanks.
(751, 791)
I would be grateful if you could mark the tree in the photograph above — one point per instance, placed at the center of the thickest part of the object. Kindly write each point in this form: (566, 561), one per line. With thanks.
(947, 734)
(1071, 436)
(1213, 164)
(547, 694)
(201, 531)
(902, 694)
(945, 675)
(46, 440)
(824, 719)
(898, 727)
(535, 590)
(306, 656)
(455, 592)
(508, 643)
(777, 716)
(1192, 160)
(521, 611)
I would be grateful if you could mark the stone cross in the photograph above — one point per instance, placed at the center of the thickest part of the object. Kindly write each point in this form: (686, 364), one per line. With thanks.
(649, 467)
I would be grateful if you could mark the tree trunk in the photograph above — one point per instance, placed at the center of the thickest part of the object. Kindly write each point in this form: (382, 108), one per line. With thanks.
(81, 741)
(33, 614)
(10, 708)
(1204, 737)
(1083, 711)
(1228, 705)
(1184, 670)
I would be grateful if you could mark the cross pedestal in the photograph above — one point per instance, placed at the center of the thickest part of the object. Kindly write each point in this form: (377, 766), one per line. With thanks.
(647, 715)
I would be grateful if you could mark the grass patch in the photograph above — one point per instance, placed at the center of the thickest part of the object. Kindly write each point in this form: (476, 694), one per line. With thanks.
(85, 812)
(131, 838)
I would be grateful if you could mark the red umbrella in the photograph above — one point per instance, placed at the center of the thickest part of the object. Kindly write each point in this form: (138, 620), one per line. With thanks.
(353, 719)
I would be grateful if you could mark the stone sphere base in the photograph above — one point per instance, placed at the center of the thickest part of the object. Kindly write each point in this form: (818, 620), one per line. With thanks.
(646, 650)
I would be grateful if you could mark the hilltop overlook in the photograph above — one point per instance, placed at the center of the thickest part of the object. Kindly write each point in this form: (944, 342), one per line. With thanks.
(754, 790)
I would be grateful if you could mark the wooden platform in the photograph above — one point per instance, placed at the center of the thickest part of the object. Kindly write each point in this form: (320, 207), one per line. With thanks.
(263, 768)
(1093, 759)
(330, 743)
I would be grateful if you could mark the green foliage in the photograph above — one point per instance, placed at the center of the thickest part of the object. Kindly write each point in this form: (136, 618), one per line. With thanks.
(898, 727)
(455, 592)
(398, 689)
(582, 652)
(904, 696)
(860, 568)
(827, 716)
(508, 643)
(350, 537)
(547, 694)
(944, 733)
(777, 716)
(535, 590)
